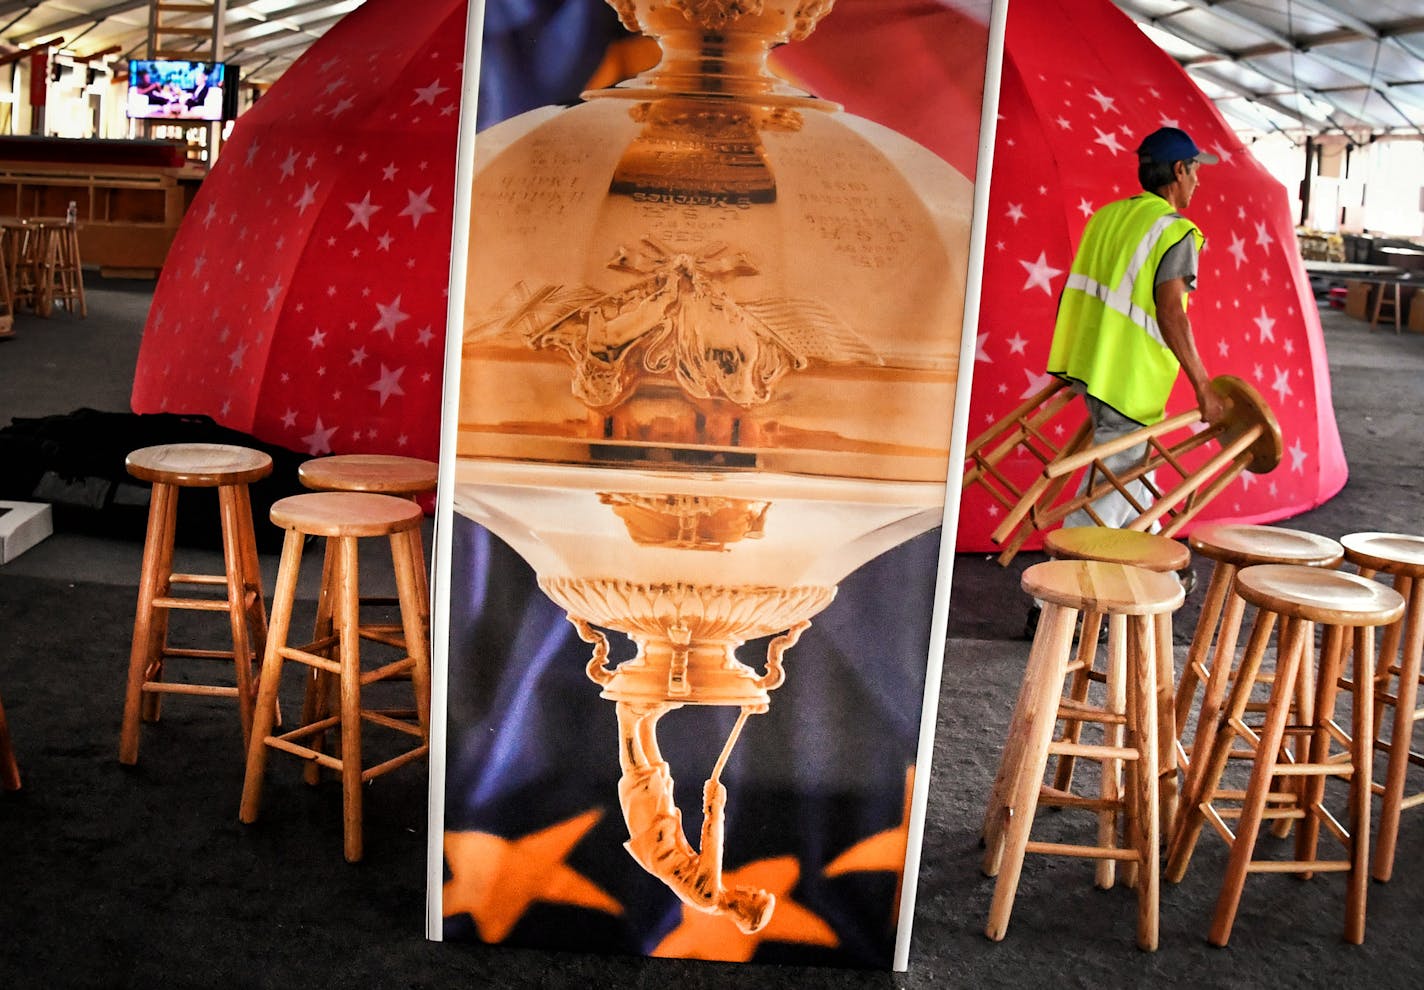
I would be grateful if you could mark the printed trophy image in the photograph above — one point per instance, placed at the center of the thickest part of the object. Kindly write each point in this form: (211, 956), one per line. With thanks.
(710, 356)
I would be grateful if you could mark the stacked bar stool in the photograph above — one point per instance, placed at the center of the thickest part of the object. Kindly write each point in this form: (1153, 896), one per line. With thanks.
(342, 518)
(1211, 658)
(1153, 553)
(1292, 597)
(1402, 557)
(171, 467)
(382, 474)
(9, 768)
(1130, 597)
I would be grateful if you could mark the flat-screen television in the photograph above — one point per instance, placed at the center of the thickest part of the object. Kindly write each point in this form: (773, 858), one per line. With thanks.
(172, 89)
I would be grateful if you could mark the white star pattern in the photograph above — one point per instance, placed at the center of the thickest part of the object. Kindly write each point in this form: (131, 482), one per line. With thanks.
(307, 198)
(979, 354)
(391, 317)
(1237, 249)
(418, 205)
(1085, 207)
(1036, 383)
(1297, 455)
(318, 441)
(1016, 212)
(1109, 141)
(1281, 386)
(1263, 236)
(1040, 273)
(1017, 344)
(361, 213)
(388, 384)
(427, 94)
(1265, 326)
(1105, 103)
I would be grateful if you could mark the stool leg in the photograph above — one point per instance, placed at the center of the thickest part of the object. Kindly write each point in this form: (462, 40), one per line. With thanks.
(1082, 678)
(1290, 649)
(1218, 678)
(1165, 722)
(251, 575)
(9, 769)
(1043, 682)
(1012, 755)
(1213, 751)
(316, 699)
(1315, 749)
(237, 606)
(264, 714)
(404, 550)
(1194, 670)
(145, 652)
(1402, 730)
(1144, 702)
(1298, 749)
(1113, 735)
(348, 622)
(1361, 783)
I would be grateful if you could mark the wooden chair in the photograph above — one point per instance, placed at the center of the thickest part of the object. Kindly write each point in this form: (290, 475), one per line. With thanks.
(1293, 597)
(1211, 658)
(171, 467)
(9, 768)
(1128, 815)
(342, 518)
(1396, 677)
(1153, 553)
(1249, 438)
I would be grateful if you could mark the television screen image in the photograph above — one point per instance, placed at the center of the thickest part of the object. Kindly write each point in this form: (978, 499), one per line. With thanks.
(175, 90)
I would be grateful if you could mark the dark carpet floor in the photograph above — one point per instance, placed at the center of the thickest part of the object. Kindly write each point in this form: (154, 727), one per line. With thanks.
(115, 877)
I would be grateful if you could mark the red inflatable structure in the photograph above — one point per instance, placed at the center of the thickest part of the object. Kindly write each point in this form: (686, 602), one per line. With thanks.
(304, 298)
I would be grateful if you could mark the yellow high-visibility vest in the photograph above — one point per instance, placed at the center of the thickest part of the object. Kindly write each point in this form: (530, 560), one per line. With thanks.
(1107, 336)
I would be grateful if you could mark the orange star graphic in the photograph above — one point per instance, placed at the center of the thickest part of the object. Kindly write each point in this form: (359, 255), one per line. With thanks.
(495, 880)
(883, 851)
(711, 936)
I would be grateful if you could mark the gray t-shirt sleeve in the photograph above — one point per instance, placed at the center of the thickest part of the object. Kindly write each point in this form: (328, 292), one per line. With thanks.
(1180, 261)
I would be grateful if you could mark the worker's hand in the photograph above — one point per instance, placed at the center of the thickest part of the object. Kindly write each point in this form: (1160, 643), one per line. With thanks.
(1212, 406)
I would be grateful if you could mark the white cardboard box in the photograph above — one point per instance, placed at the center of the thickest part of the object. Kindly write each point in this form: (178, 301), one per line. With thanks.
(22, 525)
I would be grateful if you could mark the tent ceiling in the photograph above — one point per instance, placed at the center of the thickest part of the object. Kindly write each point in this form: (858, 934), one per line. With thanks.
(1300, 66)
(263, 36)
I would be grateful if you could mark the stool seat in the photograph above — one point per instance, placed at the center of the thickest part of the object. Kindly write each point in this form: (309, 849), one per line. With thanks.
(1244, 545)
(1118, 546)
(1317, 595)
(1393, 553)
(1091, 585)
(387, 474)
(346, 514)
(198, 465)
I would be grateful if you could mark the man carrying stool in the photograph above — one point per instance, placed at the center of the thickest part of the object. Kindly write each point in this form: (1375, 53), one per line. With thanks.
(1122, 331)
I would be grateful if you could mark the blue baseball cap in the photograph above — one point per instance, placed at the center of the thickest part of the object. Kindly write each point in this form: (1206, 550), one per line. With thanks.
(1172, 144)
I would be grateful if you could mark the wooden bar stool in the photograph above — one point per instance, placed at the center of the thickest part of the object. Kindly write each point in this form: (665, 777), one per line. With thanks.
(1152, 553)
(9, 768)
(342, 518)
(1211, 658)
(383, 474)
(1130, 597)
(1402, 557)
(170, 467)
(1293, 597)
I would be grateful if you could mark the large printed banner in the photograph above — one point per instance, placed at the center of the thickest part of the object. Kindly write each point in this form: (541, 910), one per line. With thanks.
(712, 375)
